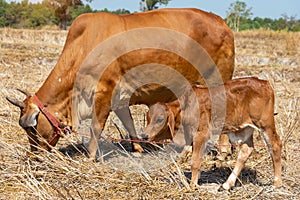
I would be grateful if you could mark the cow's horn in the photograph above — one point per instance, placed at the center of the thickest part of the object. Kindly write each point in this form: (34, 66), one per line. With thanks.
(24, 92)
(18, 103)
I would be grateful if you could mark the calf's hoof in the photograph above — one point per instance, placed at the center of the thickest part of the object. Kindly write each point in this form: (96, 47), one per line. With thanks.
(226, 186)
(277, 182)
(221, 157)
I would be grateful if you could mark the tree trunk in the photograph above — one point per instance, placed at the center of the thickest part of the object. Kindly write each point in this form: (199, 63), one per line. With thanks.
(64, 22)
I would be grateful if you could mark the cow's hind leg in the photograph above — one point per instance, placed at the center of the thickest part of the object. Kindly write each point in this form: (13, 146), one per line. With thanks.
(243, 154)
(274, 145)
(125, 116)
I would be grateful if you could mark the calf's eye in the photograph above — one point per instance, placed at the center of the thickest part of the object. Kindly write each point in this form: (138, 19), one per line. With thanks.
(159, 121)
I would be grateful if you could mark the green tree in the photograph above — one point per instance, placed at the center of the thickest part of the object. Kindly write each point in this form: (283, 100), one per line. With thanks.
(120, 11)
(40, 15)
(291, 23)
(78, 10)
(117, 12)
(13, 15)
(3, 8)
(62, 9)
(29, 15)
(152, 4)
(236, 12)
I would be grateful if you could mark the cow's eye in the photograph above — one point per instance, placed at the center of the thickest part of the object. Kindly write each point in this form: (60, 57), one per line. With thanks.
(159, 121)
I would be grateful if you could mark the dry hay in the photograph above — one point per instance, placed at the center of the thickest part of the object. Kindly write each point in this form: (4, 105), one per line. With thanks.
(26, 58)
(267, 48)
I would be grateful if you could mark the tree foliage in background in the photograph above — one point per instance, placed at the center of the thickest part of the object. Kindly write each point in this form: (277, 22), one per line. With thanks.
(239, 18)
(62, 9)
(284, 23)
(236, 12)
(3, 7)
(37, 15)
(117, 12)
(152, 4)
(78, 10)
(26, 15)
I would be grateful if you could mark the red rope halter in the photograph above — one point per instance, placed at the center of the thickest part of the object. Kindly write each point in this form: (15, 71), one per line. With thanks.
(59, 128)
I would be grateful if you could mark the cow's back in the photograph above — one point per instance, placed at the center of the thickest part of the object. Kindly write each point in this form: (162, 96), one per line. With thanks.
(88, 31)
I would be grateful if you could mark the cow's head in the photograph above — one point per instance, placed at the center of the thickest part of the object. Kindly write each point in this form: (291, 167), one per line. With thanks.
(37, 126)
(161, 123)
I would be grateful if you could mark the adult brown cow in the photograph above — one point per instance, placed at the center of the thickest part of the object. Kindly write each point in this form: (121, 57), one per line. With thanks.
(249, 106)
(197, 45)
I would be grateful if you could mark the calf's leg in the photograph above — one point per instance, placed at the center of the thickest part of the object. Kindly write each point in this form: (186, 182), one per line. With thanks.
(225, 147)
(243, 154)
(274, 145)
(199, 143)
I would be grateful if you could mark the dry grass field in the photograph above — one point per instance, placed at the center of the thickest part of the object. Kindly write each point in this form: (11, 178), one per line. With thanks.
(27, 57)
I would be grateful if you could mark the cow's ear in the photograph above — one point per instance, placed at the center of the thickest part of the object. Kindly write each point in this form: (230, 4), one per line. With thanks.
(171, 123)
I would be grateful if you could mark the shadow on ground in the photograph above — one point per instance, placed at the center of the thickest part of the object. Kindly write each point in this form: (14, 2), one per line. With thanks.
(219, 175)
(216, 175)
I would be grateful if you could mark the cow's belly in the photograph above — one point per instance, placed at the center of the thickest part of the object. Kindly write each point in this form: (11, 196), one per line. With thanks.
(149, 84)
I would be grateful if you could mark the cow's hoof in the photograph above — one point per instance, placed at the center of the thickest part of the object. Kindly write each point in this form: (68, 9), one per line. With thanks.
(34, 157)
(137, 148)
(90, 159)
(194, 186)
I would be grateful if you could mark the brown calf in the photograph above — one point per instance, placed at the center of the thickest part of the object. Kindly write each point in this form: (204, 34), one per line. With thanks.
(164, 120)
(249, 105)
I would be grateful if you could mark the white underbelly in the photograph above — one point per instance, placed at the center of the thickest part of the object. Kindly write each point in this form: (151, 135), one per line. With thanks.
(242, 134)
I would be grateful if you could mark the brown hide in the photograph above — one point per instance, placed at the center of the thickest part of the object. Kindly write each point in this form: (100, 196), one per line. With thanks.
(163, 121)
(249, 105)
(89, 31)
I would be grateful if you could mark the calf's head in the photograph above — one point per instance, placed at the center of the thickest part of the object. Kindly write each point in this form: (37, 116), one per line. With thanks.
(160, 123)
(39, 130)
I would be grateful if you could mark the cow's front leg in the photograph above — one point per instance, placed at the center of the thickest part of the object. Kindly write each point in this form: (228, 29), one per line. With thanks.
(98, 122)
(125, 116)
(95, 132)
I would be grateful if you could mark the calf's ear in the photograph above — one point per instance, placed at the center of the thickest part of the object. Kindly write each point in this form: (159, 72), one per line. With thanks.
(148, 117)
(171, 123)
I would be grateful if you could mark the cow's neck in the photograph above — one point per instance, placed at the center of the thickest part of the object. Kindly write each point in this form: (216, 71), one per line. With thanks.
(56, 95)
